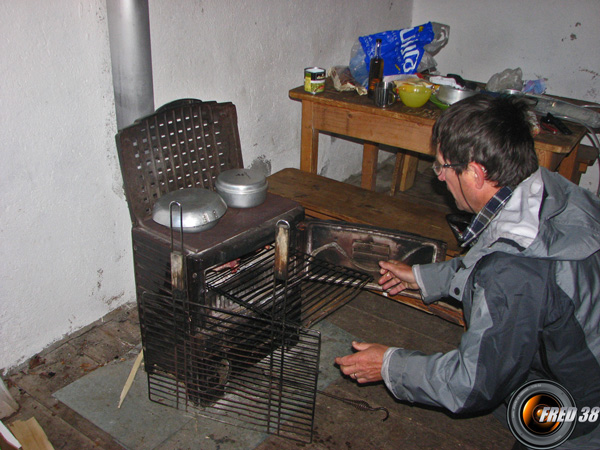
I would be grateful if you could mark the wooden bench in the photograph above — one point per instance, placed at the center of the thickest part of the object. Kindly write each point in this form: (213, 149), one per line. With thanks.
(324, 198)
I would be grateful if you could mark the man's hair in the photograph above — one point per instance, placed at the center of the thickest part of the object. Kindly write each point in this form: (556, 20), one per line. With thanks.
(494, 132)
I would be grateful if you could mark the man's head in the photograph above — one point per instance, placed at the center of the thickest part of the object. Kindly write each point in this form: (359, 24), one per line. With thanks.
(482, 144)
(493, 132)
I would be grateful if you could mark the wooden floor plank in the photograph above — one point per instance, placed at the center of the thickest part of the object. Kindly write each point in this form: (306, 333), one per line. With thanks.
(30, 434)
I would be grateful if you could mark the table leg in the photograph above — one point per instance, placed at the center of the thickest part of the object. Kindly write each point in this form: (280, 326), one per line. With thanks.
(405, 171)
(549, 160)
(398, 165)
(568, 166)
(409, 172)
(369, 165)
(309, 140)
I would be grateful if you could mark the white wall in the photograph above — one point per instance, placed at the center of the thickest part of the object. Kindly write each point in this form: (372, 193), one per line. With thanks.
(253, 53)
(65, 253)
(66, 247)
(554, 39)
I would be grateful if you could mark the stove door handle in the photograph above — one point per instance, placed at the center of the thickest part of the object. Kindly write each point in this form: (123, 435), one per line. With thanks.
(282, 249)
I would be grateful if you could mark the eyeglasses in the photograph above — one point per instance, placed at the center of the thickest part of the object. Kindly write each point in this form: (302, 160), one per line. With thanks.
(438, 167)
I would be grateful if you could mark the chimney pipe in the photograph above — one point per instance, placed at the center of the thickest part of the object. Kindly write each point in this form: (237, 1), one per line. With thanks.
(131, 57)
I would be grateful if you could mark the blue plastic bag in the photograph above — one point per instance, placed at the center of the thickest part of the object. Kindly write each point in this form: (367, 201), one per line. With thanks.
(401, 50)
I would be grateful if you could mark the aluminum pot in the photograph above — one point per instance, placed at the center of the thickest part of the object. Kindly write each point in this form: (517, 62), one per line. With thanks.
(242, 188)
(450, 95)
(200, 210)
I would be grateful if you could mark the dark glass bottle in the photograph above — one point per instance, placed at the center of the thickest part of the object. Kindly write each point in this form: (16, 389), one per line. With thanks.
(375, 68)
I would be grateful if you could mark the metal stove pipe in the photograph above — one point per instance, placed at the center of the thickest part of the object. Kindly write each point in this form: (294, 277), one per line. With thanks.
(129, 36)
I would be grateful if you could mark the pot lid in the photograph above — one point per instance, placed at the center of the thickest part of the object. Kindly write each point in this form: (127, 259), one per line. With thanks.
(241, 181)
(199, 207)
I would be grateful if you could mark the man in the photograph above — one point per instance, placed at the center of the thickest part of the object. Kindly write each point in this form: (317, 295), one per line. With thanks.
(529, 284)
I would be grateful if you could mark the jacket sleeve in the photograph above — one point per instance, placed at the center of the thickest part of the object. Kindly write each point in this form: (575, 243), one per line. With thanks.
(495, 353)
(434, 279)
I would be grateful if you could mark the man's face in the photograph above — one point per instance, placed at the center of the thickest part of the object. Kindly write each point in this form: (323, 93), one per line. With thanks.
(457, 188)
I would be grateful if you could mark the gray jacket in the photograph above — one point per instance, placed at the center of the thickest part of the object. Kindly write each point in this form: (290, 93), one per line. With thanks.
(530, 289)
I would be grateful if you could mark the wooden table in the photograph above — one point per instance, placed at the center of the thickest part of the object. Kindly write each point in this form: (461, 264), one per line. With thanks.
(409, 129)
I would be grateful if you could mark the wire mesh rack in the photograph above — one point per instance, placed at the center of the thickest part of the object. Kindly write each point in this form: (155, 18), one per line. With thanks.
(244, 353)
(313, 288)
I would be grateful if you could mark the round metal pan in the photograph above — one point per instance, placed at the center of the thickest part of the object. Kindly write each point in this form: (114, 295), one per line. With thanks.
(242, 188)
(201, 209)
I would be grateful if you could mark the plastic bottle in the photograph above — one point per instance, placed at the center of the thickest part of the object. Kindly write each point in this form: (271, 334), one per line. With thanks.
(375, 68)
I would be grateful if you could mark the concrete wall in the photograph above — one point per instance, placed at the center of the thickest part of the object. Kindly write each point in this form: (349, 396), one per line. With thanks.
(66, 247)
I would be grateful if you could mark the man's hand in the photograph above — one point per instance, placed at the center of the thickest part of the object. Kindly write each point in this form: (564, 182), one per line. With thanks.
(396, 276)
(364, 365)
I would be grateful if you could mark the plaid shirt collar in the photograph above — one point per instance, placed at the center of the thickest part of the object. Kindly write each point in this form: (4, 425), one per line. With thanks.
(485, 216)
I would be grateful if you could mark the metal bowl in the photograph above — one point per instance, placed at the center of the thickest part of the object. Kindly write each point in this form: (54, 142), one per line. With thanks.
(242, 188)
(195, 209)
(450, 95)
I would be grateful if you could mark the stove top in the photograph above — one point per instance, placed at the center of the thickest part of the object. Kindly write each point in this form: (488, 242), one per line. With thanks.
(238, 228)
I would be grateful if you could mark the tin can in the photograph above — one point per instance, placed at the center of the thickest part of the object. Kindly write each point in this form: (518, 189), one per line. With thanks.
(314, 80)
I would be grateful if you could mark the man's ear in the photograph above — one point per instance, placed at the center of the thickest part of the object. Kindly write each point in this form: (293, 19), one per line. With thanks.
(479, 174)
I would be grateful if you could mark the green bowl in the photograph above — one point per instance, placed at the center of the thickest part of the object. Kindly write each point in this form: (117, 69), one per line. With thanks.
(413, 95)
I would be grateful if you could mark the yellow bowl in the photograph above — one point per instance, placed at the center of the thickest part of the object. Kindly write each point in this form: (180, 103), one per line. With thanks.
(414, 95)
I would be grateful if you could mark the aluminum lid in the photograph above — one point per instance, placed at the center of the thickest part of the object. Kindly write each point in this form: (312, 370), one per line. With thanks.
(200, 209)
(241, 181)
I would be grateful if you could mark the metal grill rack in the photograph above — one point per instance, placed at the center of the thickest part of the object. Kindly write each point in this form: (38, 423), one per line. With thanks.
(243, 353)
(314, 287)
(242, 370)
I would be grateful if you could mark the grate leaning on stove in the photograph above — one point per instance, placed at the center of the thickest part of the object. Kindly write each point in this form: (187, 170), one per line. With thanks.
(250, 358)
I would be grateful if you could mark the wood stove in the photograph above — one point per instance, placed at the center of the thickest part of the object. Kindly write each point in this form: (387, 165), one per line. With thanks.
(235, 343)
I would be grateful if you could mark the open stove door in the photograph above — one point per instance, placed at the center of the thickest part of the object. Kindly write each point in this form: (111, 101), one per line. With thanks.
(361, 247)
